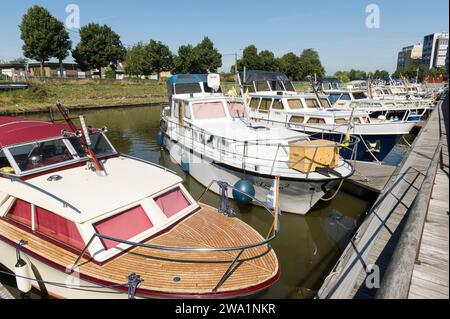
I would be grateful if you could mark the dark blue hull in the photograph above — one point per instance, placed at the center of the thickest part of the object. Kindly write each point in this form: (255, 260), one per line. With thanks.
(380, 146)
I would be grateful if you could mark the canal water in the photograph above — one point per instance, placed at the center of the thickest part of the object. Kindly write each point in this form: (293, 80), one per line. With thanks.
(307, 246)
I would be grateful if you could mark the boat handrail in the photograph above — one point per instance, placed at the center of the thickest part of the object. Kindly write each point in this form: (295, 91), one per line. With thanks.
(148, 162)
(276, 229)
(16, 179)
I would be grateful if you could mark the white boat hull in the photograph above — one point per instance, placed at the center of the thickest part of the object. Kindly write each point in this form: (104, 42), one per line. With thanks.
(296, 196)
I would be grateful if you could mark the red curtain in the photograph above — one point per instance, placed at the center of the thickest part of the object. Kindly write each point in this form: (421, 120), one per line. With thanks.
(123, 226)
(172, 202)
(21, 212)
(58, 228)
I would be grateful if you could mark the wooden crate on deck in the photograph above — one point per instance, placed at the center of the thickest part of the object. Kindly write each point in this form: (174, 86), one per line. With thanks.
(303, 153)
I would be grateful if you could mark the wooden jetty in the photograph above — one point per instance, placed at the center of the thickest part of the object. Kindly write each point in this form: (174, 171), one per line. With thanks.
(396, 228)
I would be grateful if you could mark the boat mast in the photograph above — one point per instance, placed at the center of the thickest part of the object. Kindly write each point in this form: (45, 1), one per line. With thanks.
(84, 138)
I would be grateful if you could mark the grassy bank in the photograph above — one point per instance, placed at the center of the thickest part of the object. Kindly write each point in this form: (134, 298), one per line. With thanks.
(84, 93)
(89, 93)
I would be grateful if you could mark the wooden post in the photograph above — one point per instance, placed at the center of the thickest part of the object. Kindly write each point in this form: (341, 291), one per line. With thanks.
(277, 205)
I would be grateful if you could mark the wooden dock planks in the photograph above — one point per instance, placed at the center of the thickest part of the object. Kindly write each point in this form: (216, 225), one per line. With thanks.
(376, 238)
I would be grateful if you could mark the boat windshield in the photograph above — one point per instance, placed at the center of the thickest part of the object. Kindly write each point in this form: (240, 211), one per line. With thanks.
(359, 96)
(40, 154)
(100, 145)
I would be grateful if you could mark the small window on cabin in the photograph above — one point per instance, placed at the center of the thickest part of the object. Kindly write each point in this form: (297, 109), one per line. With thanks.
(208, 110)
(325, 102)
(262, 86)
(176, 109)
(277, 105)
(288, 85)
(341, 121)
(345, 97)
(264, 107)
(125, 226)
(40, 154)
(5, 166)
(296, 119)
(359, 96)
(312, 103)
(334, 97)
(236, 109)
(187, 112)
(21, 212)
(100, 145)
(187, 88)
(58, 228)
(316, 120)
(295, 104)
(254, 103)
(276, 86)
(172, 202)
(385, 91)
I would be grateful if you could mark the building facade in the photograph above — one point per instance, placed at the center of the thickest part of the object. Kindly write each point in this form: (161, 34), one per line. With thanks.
(435, 49)
(410, 55)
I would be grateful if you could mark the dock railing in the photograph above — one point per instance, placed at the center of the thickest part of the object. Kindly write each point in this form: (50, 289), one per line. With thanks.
(397, 278)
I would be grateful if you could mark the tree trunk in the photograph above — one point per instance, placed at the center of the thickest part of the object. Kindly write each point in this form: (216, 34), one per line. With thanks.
(157, 76)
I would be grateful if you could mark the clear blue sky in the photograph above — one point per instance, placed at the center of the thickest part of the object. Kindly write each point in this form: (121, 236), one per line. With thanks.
(335, 28)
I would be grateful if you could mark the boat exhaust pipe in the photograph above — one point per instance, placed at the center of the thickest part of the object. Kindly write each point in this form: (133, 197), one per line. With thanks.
(21, 270)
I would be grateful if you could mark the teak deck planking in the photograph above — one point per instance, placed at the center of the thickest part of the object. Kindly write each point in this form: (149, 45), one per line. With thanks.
(199, 272)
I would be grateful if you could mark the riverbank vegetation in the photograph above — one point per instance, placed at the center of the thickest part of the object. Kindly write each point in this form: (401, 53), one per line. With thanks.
(41, 95)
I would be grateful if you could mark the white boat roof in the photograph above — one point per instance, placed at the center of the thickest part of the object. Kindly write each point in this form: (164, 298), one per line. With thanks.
(238, 130)
(128, 181)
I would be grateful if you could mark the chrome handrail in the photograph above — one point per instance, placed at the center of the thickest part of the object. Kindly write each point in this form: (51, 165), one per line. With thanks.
(189, 249)
(16, 179)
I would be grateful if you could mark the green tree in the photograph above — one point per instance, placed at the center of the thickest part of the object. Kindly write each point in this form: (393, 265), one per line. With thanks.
(343, 76)
(268, 61)
(202, 58)
(44, 36)
(290, 65)
(99, 47)
(380, 74)
(183, 61)
(310, 64)
(357, 75)
(135, 60)
(158, 57)
(250, 59)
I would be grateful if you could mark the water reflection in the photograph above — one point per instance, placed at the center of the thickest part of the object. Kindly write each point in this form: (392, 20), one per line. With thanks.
(307, 246)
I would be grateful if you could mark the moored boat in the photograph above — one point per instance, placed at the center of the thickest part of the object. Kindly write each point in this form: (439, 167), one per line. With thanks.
(80, 220)
(210, 137)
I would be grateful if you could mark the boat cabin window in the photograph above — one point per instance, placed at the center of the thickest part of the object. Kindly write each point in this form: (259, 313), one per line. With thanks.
(316, 120)
(345, 97)
(325, 102)
(296, 119)
(40, 154)
(237, 109)
(208, 110)
(312, 103)
(385, 91)
(295, 104)
(277, 105)
(333, 97)
(276, 86)
(125, 226)
(5, 166)
(341, 121)
(172, 202)
(262, 86)
(264, 106)
(254, 103)
(47, 223)
(249, 87)
(359, 96)
(288, 86)
(187, 88)
(100, 145)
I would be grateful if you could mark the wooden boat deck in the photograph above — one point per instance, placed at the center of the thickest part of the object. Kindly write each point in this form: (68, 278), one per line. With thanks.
(198, 272)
